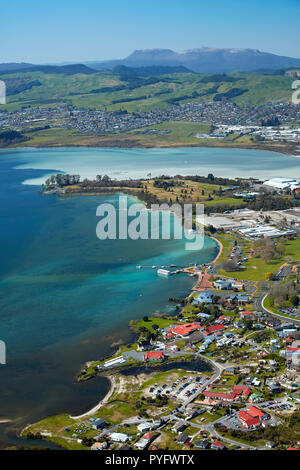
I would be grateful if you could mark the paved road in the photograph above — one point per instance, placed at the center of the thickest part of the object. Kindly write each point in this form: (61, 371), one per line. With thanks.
(213, 432)
(218, 371)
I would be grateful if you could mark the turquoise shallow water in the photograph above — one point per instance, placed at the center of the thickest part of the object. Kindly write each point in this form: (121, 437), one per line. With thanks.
(138, 163)
(65, 296)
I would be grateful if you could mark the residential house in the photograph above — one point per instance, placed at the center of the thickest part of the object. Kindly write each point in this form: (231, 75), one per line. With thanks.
(256, 397)
(213, 329)
(203, 316)
(179, 426)
(241, 390)
(274, 388)
(203, 298)
(217, 445)
(183, 438)
(97, 423)
(119, 437)
(145, 441)
(231, 370)
(202, 444)
(238, 285)
(220, 396)
(99, 446)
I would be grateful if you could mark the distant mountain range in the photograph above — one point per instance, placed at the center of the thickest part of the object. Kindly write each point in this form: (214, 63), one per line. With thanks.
(203, 60)
(165, 61)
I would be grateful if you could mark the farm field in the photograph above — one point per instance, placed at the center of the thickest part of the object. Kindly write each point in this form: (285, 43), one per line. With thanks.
(111, 91)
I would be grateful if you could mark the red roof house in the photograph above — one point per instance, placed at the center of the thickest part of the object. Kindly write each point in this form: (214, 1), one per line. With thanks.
(214, 329)
(148, 436)
(241, 390)
(217, 445)
(220, 395)
(224, 318)
(186, 330)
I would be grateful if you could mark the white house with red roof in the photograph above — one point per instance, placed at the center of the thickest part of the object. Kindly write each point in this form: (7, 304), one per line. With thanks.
(217, 445)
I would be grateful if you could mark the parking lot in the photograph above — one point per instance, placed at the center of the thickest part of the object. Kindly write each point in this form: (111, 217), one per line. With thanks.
(181, 389)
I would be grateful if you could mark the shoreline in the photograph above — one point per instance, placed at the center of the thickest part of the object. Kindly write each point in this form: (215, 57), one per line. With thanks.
(101, 402)
(113, 387)
(220, 249)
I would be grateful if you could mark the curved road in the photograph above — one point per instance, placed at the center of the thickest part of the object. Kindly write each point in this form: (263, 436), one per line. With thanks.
(276, 315)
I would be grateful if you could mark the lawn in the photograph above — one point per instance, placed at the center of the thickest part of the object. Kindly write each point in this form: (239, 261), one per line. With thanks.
(161, 322)
(184, 190)
(228, 243)
(117, 411)
(257, 268)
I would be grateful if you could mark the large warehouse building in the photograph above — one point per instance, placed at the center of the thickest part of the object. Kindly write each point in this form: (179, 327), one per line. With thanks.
(282, 183)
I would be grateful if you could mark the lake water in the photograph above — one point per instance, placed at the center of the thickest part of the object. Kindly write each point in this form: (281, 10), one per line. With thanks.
(66, 296)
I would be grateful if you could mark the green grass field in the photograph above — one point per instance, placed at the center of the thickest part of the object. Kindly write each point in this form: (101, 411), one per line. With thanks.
(257, 268)
(161, 322)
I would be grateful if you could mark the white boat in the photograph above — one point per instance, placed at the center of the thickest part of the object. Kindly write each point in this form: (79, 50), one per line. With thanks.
(164, 272)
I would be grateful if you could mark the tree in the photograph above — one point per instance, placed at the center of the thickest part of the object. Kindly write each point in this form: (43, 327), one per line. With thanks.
(230, 265)
(248, 324)
(269, 276)
(87, 441)
(211, 229)
(294, 300)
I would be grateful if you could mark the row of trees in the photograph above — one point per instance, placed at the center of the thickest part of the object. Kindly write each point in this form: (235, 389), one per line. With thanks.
(62, 180)
(269, 202)
(103, 181)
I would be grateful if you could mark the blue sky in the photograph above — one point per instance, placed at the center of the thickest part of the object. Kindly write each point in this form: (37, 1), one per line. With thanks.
(55, 31)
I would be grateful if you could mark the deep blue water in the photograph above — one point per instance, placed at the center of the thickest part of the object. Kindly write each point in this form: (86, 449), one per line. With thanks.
(65, 296)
